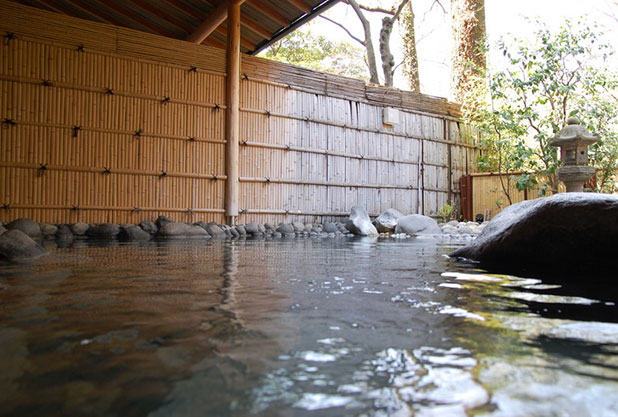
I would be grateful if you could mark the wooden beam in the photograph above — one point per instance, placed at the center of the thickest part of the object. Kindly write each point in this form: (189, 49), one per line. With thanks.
(270, 12)
(212, 22)
(232, 115)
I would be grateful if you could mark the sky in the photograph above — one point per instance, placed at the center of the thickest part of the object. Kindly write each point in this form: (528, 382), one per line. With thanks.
(503, 20)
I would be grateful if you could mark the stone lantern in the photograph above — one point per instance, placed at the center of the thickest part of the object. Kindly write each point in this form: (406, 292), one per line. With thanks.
(573, 141)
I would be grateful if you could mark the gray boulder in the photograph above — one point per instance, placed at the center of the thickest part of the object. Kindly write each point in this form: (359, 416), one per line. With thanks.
(180, 229)
(79, 228)
(565, 233)
(133, 233)
(15, 245)
(387, 221)
(214, 230)
(330, 228)
(417, 224)
(27, 226)
(48, 229)
(252, 228)
(104, 231)
(359, 222)
(270, 226)
(285, 229)
(298, 226)
(261, 228)
(149, 227)
(241, 230)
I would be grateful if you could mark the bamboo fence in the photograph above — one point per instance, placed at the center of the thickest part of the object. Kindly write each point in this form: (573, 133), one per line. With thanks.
(105, 124)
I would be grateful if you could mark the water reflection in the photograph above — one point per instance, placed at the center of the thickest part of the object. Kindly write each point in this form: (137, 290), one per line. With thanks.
(363, 327)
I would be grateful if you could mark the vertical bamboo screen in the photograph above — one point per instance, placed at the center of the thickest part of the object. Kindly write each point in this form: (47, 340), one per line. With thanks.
(488, 192)
(101, 123)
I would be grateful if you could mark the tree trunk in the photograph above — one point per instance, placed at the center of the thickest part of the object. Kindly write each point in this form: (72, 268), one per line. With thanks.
(388, 60)
(469, 51)
(410, 58)
(371, 55)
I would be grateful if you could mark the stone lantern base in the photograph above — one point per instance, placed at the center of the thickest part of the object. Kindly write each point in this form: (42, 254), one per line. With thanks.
(575, 176)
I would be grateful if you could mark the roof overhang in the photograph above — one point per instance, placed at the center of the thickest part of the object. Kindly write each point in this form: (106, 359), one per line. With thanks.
(262, 21)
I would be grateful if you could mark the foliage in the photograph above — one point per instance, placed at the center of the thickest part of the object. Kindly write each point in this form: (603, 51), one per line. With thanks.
(308, 50)
(545, 82)
(446, 212)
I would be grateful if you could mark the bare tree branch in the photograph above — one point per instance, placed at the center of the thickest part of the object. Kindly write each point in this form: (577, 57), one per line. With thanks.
(345, 29)
(373, 9)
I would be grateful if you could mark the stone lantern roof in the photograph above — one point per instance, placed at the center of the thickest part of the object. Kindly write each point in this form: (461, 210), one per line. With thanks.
(573, 134)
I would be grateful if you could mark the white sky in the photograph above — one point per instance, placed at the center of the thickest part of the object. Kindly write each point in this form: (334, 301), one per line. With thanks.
(503, 17)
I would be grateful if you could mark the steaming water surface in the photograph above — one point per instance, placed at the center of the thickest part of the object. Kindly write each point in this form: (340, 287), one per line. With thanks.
(305, 327)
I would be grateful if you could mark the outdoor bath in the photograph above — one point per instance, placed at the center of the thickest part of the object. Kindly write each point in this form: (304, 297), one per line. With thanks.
(299, 326)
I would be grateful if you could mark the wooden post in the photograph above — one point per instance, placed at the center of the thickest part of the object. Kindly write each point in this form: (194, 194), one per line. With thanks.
(232, 115)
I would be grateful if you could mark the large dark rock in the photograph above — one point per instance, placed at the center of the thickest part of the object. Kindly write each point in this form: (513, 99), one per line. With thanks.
(568, 233)
(103, 231)
(387, 221)
(15, 245)
(359, 222)
(27, 226)
(417, 224)
(180, 229)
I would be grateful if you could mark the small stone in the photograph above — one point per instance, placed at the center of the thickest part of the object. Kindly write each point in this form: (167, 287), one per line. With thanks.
(454, 223)
(27, 226)
(178, 229)
(261, 228)
(79, 228)
(285, 229)
(64, 232)
(161, 220)
(308, 227)
(298, 226)
(149, 227)
(252, 229)
(214, 230)
(465, 229)
(15, 245)
(241, 230)
(104, 231)
(48, 229)
(233, 232)
(276, 235)
(330, 228)
(133, 232)
(270, 226)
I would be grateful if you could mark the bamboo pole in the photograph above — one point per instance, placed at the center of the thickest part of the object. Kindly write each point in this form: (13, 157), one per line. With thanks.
(232, 116)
